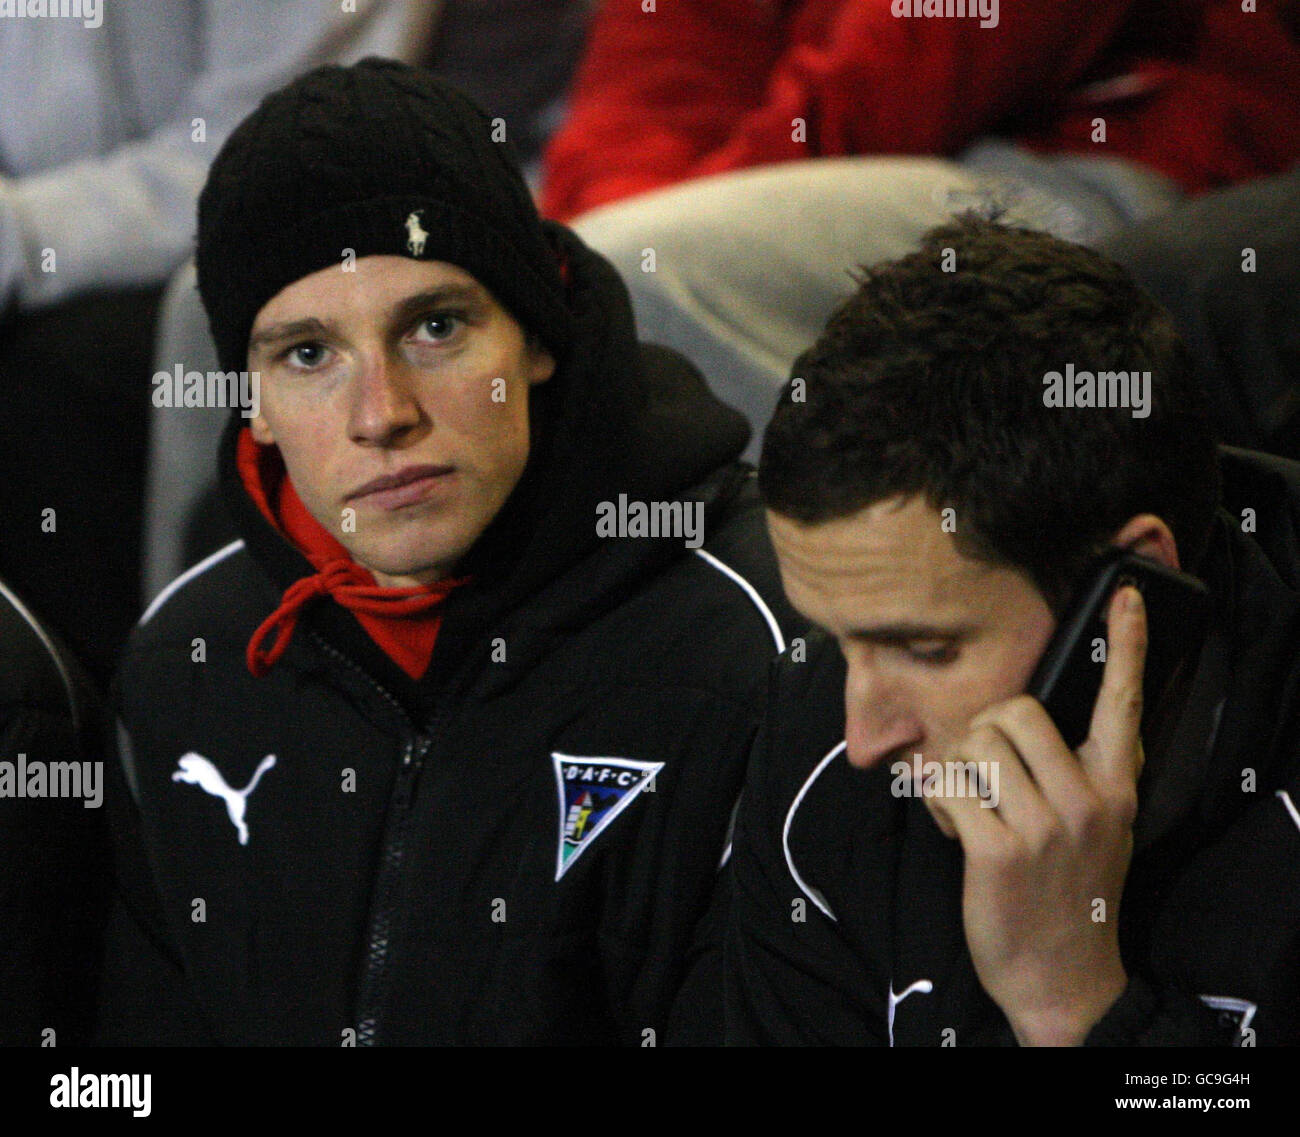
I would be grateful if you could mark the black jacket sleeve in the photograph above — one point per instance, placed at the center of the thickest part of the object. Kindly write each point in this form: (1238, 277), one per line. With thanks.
(54, 882)
(791, 978)
(659, 983)
(698, 1013)
(1252, 872)
(146, 998)
(1147, 1016)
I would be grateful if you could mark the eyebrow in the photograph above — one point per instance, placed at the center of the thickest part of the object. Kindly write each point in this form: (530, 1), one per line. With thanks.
(444, 294)
(399, 313)
(290, 330)
(906, 632)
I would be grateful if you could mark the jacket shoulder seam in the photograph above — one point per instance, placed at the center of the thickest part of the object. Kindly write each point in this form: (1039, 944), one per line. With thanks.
(188, 575)
(754, 596)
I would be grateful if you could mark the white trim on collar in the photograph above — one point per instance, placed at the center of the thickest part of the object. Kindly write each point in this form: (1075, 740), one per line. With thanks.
(810, 892)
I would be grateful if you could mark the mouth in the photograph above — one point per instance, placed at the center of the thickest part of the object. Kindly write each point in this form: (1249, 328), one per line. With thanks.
(406, 487)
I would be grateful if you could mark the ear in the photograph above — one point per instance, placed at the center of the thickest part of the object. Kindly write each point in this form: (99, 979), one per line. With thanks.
(1149, 536)
(261, 430)
(539, 364)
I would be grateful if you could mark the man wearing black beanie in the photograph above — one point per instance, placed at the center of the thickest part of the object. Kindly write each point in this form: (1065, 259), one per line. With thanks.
(444, 749)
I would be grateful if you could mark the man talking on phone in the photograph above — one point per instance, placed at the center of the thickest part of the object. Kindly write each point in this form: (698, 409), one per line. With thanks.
(919, 857)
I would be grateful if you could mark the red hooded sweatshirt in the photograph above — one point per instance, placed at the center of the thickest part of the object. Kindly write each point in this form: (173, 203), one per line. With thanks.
(1196, 89)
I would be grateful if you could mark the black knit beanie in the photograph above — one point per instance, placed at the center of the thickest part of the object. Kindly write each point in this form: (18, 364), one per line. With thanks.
(379, 158)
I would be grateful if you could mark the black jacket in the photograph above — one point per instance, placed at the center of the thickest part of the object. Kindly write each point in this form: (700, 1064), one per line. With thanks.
(54, 883)
(406, 878)
(1210, 917)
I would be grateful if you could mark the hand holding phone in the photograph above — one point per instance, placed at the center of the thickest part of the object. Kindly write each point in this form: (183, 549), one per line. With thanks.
(1046, 864)
(1068, 675)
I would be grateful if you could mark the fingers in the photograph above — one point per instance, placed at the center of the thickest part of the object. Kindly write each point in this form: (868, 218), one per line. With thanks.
(982, 787)
(963, 817)
(1038, 781)
(1038, 744)
(1113, 749)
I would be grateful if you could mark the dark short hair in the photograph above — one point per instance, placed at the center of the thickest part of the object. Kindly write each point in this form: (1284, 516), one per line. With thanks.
(931, 382)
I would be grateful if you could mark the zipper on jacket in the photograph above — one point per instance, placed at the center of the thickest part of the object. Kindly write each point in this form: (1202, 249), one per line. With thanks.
(334, 653)
(388, 877)
(387, 890)
(384, 893)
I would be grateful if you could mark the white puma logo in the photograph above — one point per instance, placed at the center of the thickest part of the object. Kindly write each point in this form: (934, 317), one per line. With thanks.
(416, 234)
(198, 771)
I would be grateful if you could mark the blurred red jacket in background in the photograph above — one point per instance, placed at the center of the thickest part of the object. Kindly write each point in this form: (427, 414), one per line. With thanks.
(1197, 89)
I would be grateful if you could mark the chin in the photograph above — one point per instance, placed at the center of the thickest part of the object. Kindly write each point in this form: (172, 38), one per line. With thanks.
(425, 571)
(426, 564)
(414, 549)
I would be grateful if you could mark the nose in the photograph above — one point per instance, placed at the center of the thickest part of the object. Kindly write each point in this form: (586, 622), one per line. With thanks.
(383, 405)
(875, 724)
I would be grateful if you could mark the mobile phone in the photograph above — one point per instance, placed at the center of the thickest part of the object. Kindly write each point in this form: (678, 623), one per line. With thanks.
(1068, 675)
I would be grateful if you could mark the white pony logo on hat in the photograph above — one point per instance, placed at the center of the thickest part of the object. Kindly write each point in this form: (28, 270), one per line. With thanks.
(416, 234)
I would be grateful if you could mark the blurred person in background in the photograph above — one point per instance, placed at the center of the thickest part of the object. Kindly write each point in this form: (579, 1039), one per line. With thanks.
(1227, 266)
(686, 155)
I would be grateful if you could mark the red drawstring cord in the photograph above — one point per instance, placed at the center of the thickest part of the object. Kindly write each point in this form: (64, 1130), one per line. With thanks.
(345, 581)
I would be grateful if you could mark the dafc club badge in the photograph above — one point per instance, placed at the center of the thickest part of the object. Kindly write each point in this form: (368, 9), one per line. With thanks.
(593, 791)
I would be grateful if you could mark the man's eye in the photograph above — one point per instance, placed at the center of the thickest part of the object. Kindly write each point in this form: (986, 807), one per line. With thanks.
(305, 355)
(439, 327)
(932, 653)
